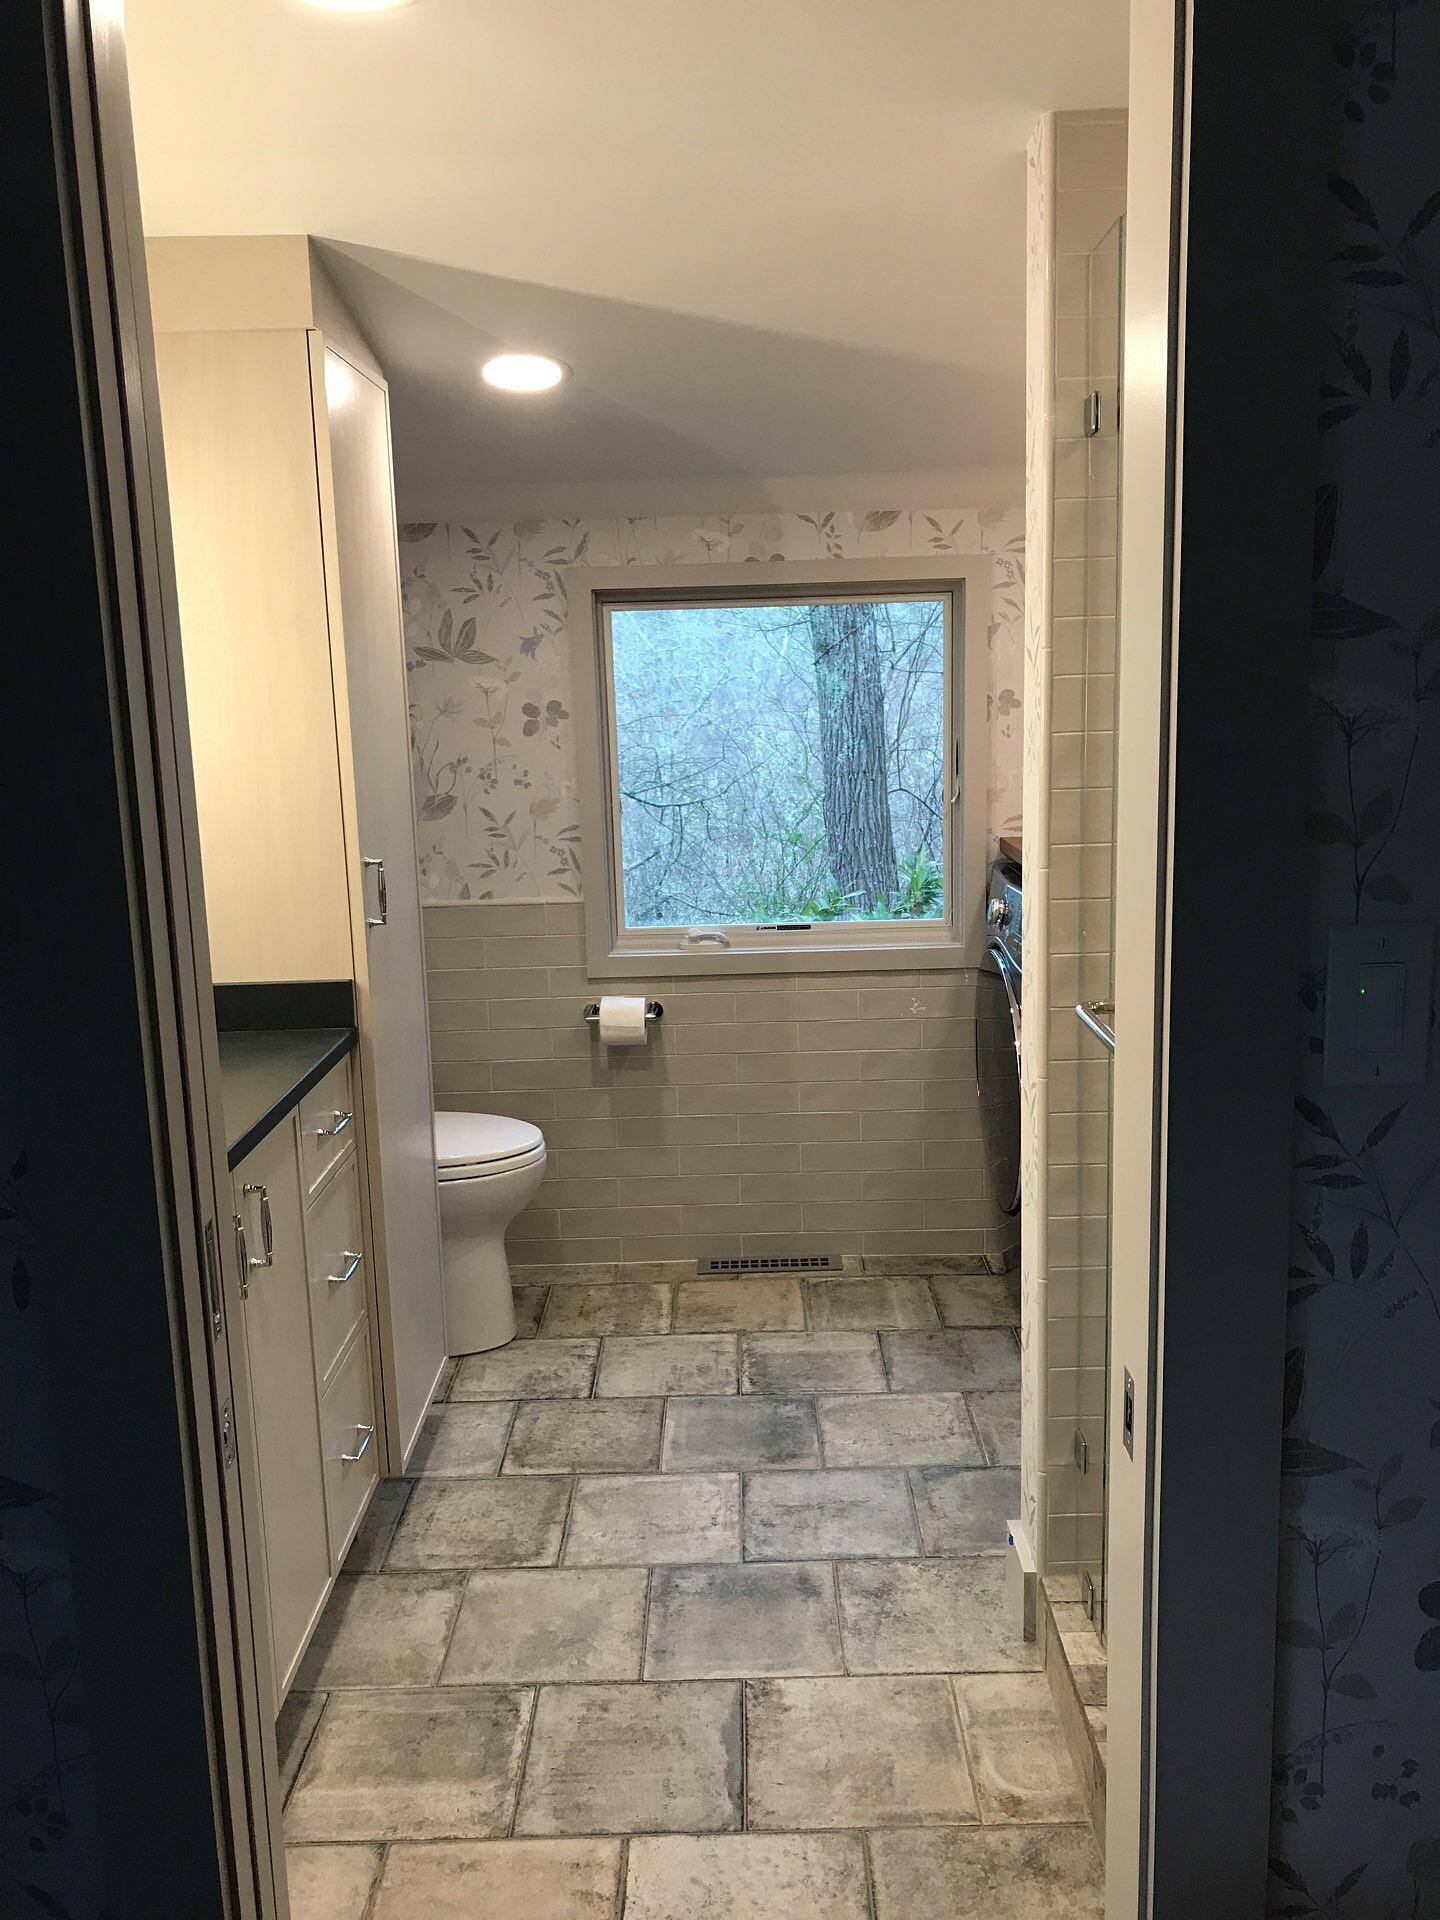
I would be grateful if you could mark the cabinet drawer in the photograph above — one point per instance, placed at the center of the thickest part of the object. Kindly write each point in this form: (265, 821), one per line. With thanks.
(327, 1125)
(350, 1443)
(276, 1318)
(335, 1250)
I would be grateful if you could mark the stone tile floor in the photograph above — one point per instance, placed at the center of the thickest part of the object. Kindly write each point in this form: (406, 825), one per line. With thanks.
(692, 1604)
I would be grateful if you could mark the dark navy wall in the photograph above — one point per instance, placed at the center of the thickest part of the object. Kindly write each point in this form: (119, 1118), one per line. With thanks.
(1357, 1725)
(106, 1803)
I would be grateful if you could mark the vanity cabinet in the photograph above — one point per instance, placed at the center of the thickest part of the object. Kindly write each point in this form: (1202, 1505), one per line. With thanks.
(300, 1242)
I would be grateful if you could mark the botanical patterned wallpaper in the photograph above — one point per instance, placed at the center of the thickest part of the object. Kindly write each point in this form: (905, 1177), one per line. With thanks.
(1357, 1731)
(485, 627)
(50, 1856)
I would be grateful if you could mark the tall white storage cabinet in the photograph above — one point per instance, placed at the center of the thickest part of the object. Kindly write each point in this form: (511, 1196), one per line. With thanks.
(276, 426)
(392, 982)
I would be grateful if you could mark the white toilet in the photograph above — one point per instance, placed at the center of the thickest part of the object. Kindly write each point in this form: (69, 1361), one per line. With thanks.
(489, 1168)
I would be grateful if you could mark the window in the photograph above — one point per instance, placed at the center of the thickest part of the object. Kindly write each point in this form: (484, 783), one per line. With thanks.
(777, 769)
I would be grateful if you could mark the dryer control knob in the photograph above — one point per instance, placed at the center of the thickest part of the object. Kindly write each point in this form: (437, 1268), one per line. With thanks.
(999, 914)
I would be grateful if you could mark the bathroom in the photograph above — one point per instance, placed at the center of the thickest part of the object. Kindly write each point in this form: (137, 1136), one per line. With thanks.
(639, 690)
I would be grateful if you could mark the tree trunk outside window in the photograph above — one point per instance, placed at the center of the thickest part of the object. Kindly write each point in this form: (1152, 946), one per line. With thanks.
(850, 682)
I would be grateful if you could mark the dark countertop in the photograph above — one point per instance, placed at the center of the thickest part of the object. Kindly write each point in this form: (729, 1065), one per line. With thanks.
(266, 1072)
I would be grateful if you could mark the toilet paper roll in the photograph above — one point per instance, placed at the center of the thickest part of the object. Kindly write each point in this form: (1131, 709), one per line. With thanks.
(622, 1021)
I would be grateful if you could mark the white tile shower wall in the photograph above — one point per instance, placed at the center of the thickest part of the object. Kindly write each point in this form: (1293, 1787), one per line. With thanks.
(769, 1114)
(1077, 177)
(1035, 805)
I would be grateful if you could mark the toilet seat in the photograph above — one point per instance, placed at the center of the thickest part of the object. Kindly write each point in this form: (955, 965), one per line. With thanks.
(469, 1146)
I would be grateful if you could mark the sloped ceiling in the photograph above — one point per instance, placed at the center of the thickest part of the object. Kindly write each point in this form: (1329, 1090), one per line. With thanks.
(778, 241)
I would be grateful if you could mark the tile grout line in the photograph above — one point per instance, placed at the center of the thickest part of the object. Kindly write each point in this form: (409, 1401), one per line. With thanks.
(979, 1437)
(745, 1826)
(954, 1699)
(524, 1765)
(515, 1406)
(840, 1616)
(645, 1621)
(869, 1867)
(305, 1750)
(571, 1491)
(374, 1894)
(622, 1885)
(923, 1552)
(383, 1564)
(454, 1623)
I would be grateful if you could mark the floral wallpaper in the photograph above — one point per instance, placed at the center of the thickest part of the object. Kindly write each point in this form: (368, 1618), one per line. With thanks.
(490, 707)
(1357, 1728)
(50, 1856)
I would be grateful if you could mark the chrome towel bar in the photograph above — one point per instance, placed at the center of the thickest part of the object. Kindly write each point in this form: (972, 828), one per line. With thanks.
(1088, 1014)
(591, 1010)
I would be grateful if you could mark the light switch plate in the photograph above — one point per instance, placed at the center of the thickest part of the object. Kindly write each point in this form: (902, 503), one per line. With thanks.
(1377, 1005)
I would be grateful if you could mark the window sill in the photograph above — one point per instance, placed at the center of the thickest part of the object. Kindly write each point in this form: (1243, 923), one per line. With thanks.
(915, 956)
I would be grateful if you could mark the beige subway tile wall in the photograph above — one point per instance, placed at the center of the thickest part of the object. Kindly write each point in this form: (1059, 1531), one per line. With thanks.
(1077, 166)
(768, 1114)
(1090, 160)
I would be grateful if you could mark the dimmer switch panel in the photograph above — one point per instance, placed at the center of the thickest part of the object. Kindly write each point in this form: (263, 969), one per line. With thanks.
(1377, 1005)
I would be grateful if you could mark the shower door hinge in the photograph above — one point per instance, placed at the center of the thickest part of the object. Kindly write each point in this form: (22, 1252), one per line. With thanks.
(1092, 415)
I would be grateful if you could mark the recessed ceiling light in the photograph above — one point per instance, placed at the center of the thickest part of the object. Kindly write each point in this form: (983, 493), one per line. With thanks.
(523, 372)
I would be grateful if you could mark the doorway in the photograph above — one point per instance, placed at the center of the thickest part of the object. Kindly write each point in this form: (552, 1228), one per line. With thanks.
(857, 1279)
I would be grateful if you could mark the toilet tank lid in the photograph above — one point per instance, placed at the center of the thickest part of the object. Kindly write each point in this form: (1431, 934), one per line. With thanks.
(473, 1139)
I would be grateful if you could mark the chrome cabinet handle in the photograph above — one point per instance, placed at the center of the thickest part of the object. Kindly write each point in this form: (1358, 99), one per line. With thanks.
(352, 1263)
(381, 898)
(364, 1435)
(338, 1125)
(267, 1225)
(242, 1250)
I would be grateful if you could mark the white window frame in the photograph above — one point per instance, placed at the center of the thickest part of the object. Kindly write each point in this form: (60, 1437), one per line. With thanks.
(614, 951)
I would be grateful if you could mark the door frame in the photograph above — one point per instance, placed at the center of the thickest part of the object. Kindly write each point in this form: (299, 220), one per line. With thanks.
(119, 1055)
(1217, 515)
(1225, 97)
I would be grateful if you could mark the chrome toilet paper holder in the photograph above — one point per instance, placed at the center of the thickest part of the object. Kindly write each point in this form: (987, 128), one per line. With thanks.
(591, 1010)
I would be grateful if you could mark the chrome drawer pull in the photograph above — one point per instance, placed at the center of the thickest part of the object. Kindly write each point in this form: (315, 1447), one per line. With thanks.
(339, 1123)
(352, 1261)
(382, 917)
(242, 1249)
(363, 1448)
(267, 1226)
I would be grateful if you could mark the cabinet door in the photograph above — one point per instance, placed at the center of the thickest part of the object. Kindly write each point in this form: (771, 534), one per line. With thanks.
(282, 1393)
(395, 1028)
(249, 564)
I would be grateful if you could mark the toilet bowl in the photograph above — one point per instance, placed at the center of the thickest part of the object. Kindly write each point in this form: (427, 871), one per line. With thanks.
(489, 1167)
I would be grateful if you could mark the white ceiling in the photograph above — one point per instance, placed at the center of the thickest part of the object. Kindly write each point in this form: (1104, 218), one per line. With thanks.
(777, 240)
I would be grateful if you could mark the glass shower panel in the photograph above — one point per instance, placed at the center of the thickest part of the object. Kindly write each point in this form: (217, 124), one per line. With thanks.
(1097, 907)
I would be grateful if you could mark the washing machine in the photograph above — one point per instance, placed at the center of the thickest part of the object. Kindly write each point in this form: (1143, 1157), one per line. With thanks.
(997, 1027)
